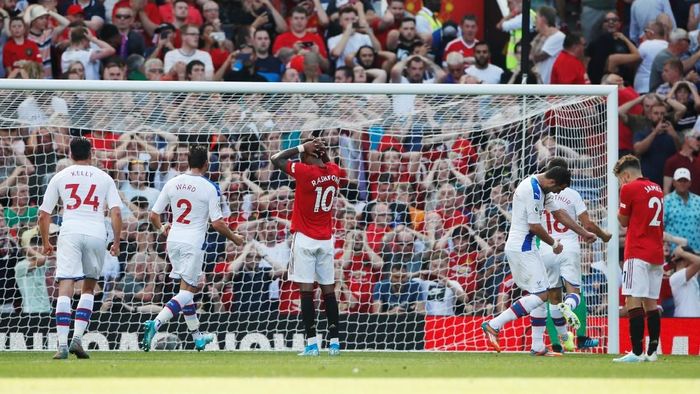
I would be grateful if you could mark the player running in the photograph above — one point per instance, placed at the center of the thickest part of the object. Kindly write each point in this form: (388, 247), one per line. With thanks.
(317, 182)
(642, 212)
(84, 191)
(564, 269)
(193, 200)
(529, 201)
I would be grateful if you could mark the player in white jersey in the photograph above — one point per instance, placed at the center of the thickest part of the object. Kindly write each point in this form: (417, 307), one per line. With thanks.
(84, 191)
(529, 201)
(564, 269)
(194, 200)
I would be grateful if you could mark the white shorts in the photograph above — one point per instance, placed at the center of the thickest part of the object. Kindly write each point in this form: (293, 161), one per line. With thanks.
(528, 271)
(187, 261)
(565, 266)
(312, 260)
(641, 279)
(79, 256)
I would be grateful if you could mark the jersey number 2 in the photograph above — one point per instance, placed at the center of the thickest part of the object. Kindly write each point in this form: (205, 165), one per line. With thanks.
(188, 208)
(322, 200)
(655, 203)
(91, 199)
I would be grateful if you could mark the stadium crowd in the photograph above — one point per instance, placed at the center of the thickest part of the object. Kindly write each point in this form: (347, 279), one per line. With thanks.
(420, 223)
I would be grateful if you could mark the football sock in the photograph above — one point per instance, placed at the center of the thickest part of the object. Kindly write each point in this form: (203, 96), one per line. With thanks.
(654, 327)
(558, 320)
(520, 308)
(82, 315)
(191, 319)
(636, 319)
(308, 314)
(173, 307)
(331, 314)
(572, 300)
(538, 319)
(63, 319)
(582, 312)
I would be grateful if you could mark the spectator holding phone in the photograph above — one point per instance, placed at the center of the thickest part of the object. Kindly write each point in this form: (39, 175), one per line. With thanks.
(266, 64)
(240, 67)
(356, 34)
(188, 52)
(397, 293)
(299, 39)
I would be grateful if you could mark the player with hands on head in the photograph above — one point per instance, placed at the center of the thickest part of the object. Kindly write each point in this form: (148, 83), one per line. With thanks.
(317, 183)
(84, 191)
(193, 200)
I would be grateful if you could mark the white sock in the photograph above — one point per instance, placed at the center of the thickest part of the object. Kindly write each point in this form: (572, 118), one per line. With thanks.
(191, 319)
(82, 315)
(519, 309)
(538, 319)
(559, 321)
(173, 307)
(572, 300)
(63, 317)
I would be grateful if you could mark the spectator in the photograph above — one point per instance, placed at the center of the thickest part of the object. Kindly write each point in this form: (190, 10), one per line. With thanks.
(494, 167)
(356, 33)
(428, 26)
(10, 7)
(400, 247)
(114, 70)
(686, 157)
(362, 269)
(672, 74)
(81, 51)
(465, 44)
(42, 33)
(240, 67)
(251, 281)
(455, 68)
(682, 209)
(644, 12)
(131, 42)
(381, 218)
(215, 43)
(345, 74)
(93, 10)
(568, 68)
(441, 294)
(10, 253)
(609, 44)
(397, 294)
(266, 64)
(512, 24)
(686, 93)
(259, 14)
(18, 47)
(403, 42)
(179, 13)
(22, 210)
(312, 69)
(165, 37)
(684, 283)
(298, 38)
(593, 14)
(678, 46)
(138, 184)
(547, 44)
(652, 46)
(30, 273)
(189, 52)
(482, 69)
(290, 75)
(416, 69)
(195, 71)
(154, 69)
(389, 24)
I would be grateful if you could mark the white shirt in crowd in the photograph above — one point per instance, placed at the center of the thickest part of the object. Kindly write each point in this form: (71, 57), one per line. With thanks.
(193, 200)
(439, 299)
(151, 194)
(571, 201)
(84, 192)
(648, 51)
(529, 201)
(175, 56)
(92, 67)
(686, 294)
(356, 41)
(491, 74)
(552, 46)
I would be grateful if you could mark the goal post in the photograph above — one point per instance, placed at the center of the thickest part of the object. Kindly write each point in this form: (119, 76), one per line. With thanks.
(434, 148)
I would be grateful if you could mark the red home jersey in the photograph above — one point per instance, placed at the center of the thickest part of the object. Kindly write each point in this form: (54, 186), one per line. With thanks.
(314, 195)
(643, 202)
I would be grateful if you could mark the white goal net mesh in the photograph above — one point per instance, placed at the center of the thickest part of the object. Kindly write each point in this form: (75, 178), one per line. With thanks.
(427, 185)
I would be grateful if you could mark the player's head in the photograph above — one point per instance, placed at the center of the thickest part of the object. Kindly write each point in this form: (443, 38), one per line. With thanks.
(80, 149)
(309, 158)
(556, 179)
(557, 162)
(627, 169)
(198, 157)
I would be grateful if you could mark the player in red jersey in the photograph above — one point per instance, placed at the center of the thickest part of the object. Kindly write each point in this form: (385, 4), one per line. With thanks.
(317, 183)
(642, 212)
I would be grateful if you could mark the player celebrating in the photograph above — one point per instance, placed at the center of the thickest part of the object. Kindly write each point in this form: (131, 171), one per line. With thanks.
(317, 182)
(564, 269)
(84, 191)
(529, 201)
(193, 199)
(642, 212)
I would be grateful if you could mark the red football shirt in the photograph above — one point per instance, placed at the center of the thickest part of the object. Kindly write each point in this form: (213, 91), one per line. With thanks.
(459, 45)
(625, 95)
(314, 194)
(288, 39)
(568, 69)
(13, 52)
(643, 202)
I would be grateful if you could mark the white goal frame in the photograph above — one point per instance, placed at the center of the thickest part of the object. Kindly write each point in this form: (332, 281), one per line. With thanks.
(607, 91)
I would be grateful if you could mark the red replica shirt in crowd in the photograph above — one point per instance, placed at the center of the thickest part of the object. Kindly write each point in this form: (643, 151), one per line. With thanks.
(568, 69)
(375, 235)
(458, 45)
(643, 202)
(13, 52)
(624, 132)
(315, 192)
(361, 278)
(288, 39)
(463, 269)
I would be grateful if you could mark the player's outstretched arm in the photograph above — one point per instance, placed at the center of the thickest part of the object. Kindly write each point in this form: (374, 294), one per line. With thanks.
(567, 221)
(591, 226)
(221, 227)
(115, 214)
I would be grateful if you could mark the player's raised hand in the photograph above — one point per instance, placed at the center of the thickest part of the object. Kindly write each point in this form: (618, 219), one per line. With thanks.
(589, 237)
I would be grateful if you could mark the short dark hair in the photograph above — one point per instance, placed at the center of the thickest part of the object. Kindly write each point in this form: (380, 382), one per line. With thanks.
(408, 19)
(627, 162)
(181, 1)
(397, 267)
(260, 29)
(675, 63)
(560, 175)
(482, 44)
(191, 64)
(78, 35)
(80, 148)
(548, 13)
(198, 156)
(347, 71)
(469, 17)
(571, 39)
(299, 10)
(348, 10)
(384, 178)
(557, 162)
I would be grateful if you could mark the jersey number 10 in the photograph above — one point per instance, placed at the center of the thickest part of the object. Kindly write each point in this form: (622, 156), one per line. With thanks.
(323, 202)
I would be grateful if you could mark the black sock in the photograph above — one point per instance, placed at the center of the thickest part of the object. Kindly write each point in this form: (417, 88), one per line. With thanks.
(331, 314)
(654, 327)
(636, 318)
(308, 313)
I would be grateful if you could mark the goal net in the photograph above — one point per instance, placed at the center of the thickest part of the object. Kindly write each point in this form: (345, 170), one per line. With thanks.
(419, 224)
